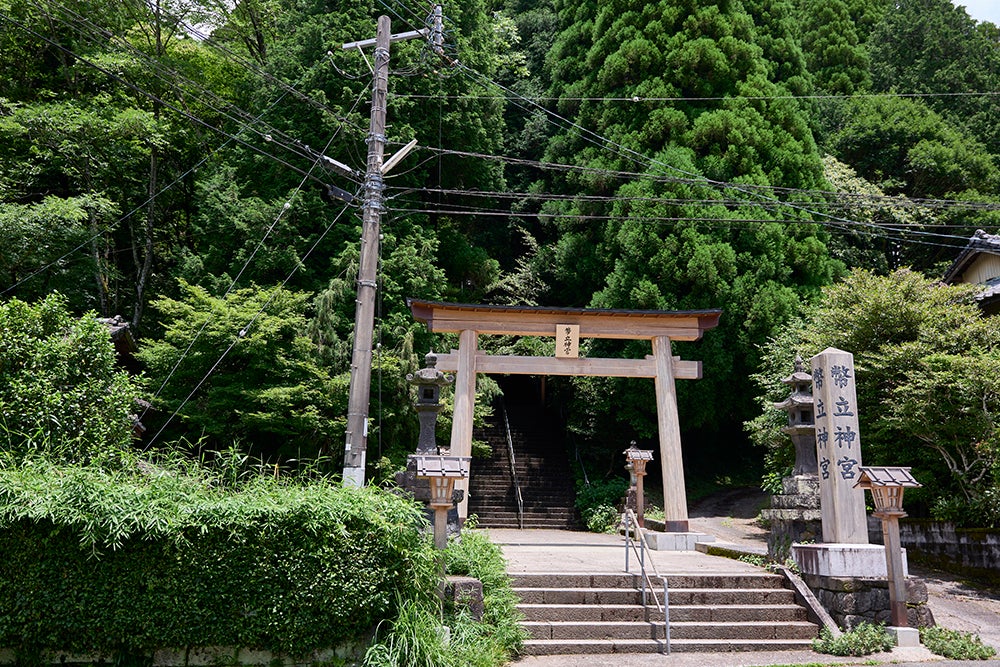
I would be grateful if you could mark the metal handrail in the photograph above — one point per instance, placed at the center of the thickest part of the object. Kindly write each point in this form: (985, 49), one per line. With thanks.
(513, 468)
(632, 535)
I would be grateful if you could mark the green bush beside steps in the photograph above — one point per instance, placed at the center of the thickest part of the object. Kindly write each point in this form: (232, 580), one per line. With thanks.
(123, 563)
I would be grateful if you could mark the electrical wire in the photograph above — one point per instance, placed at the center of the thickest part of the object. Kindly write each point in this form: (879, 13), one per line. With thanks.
(839, 199)
(639, 99)
(244, 331)
(183, 86)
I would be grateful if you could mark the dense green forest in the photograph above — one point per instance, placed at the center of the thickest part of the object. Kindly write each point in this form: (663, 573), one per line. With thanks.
(164, 161)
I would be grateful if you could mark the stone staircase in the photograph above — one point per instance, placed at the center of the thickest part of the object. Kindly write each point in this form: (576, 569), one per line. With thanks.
(602, 613)
(543, 473)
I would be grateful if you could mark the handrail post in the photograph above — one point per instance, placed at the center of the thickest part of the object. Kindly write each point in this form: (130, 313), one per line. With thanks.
(666, 614)
(513, 468)
(642, 559)
(628, 541)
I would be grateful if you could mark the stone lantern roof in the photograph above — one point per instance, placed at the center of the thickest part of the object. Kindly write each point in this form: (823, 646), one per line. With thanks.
(800, 382)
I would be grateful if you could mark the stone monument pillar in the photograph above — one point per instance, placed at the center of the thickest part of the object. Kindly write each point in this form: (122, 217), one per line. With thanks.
(838, 448)
(845, 551)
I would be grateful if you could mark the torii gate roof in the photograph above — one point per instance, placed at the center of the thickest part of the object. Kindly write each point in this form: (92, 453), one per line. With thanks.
(442, 317)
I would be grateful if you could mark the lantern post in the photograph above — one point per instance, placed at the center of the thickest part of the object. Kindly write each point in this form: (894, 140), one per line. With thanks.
(441, 472)
(887, 486)
(637, 460)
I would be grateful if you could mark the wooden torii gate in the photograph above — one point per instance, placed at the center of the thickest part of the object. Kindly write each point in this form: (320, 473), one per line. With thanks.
(568, 325)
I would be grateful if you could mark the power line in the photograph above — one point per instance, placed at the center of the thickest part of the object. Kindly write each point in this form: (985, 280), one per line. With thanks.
(834, 198)
(640, 99)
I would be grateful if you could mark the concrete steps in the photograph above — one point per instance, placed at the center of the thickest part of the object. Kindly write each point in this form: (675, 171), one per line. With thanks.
(602, 613)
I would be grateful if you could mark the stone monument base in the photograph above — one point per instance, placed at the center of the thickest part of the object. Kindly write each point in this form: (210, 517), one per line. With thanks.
(658, 541)
(849, 580)
(794, 515)
(866, 561)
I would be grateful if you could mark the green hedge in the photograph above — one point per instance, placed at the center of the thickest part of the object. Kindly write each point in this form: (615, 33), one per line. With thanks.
(130, 562)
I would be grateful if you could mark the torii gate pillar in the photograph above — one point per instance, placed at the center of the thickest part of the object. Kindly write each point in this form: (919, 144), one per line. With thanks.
(675, 512)
(465, 404)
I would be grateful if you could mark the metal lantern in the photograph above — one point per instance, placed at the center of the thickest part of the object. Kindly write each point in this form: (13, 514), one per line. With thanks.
(637, 460)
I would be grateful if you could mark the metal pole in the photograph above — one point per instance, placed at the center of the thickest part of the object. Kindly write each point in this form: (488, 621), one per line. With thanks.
(364, 317)
(628, 540)
(666, 613)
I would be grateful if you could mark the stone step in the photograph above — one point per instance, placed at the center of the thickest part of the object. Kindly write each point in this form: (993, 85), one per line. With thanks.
(507, 511)
(507, 489)
(609, 646)
(693, 613)
(559, 630)
(511, 510)
(761, 580)
(530, 523)
(691, 596)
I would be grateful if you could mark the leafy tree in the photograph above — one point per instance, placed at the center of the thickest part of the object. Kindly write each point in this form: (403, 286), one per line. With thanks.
(834, 51)
(926, 366)
(903, 147)
(677, 211)
(61, 393)
(250, 370)
(867, 243)
(933, 46)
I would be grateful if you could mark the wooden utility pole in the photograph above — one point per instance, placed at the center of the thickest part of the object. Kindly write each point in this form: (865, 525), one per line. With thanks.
(371, 217)
(364, 314)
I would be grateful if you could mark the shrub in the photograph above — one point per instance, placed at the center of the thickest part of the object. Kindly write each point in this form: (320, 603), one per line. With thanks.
(602, 519)
(172, 557)
(955, 645)
(416, 637)
(865, 639)
(61, 393)
(597, 501)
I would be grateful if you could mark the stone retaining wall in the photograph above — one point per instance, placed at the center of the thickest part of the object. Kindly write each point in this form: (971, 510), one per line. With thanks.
(851, 600)
(941, 543)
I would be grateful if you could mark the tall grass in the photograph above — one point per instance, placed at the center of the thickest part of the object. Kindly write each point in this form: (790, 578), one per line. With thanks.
(417, 636)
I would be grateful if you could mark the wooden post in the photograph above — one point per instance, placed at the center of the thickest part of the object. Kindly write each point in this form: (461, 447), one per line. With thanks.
(671, 458)
(440, 528)
(894, 567)
(465, 403)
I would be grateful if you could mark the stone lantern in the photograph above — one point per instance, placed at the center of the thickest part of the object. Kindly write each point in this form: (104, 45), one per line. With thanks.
(637, 460)
(794, 515)
(441, 472)
(801, 425)
(428, 381)
(420, 482)
(887, 486)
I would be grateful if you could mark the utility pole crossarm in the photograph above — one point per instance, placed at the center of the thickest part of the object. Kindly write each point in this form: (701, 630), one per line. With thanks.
(399, 37)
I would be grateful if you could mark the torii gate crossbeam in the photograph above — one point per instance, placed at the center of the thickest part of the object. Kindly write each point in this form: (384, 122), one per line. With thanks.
(659, 327)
